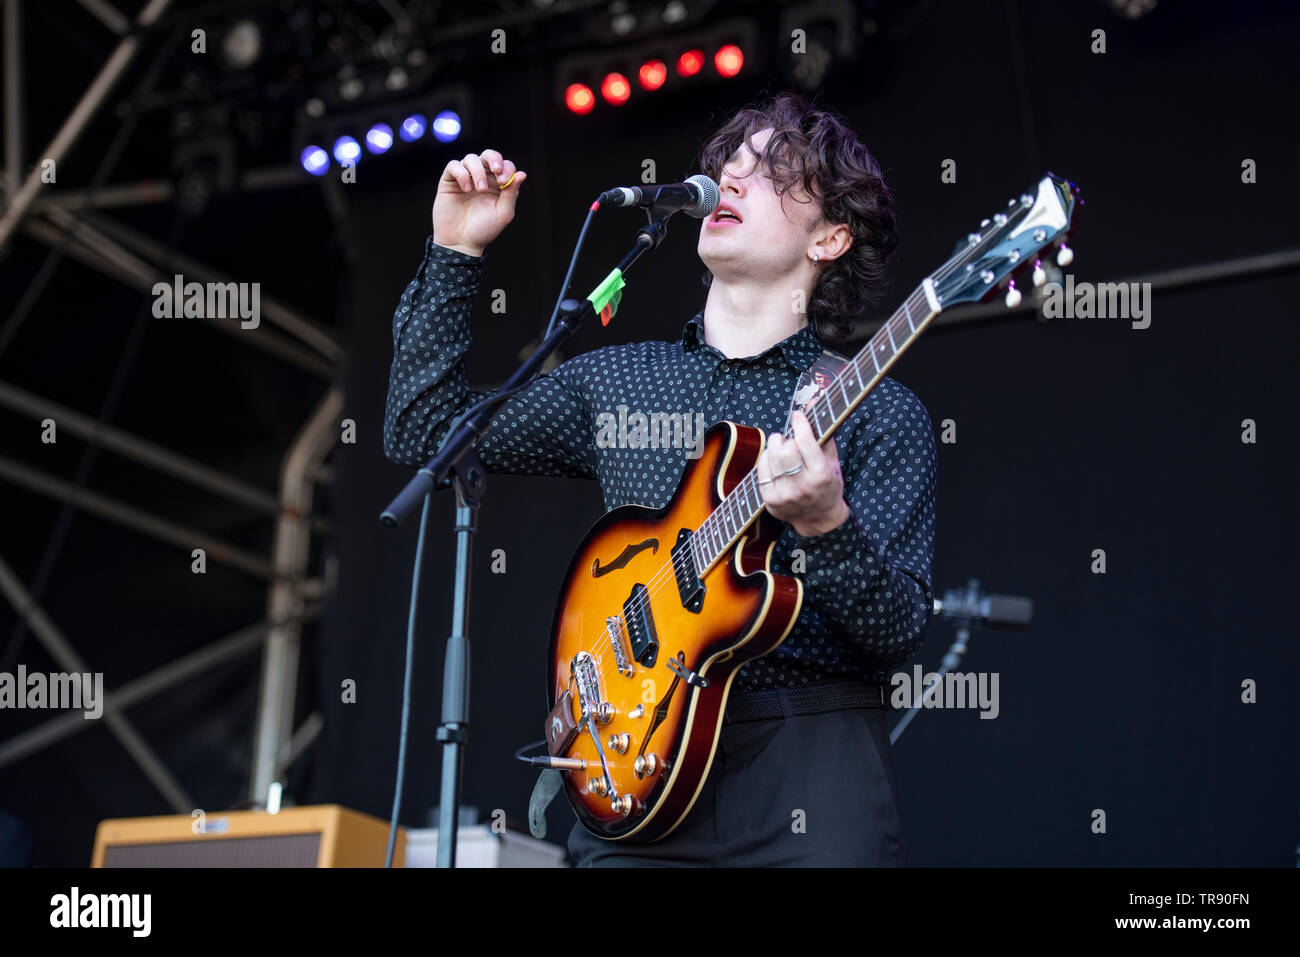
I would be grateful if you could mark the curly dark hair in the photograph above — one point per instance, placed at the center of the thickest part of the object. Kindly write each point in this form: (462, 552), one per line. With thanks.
(817, 149)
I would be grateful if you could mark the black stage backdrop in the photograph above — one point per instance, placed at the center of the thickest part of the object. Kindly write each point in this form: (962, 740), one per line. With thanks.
(1071, 436)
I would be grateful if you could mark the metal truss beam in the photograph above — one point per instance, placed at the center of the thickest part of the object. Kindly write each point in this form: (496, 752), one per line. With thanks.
(78, 119)
(66, 657)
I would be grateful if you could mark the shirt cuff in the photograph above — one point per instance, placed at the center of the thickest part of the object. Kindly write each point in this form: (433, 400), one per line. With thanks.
(845, 549)
(446, 256)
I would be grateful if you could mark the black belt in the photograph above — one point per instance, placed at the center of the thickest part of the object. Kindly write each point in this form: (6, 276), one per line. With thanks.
(810, 699)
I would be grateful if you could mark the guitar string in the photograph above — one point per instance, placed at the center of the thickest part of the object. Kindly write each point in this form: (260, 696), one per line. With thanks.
(657, 582)
(661, 578)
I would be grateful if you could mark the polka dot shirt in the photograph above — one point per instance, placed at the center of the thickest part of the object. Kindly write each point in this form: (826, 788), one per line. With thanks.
(867, 584)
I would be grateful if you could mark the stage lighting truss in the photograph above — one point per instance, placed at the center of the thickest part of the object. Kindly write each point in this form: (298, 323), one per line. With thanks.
(591, 82)
(326, 140)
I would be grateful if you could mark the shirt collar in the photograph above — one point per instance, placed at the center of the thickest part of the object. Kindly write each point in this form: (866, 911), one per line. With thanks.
(800, 349)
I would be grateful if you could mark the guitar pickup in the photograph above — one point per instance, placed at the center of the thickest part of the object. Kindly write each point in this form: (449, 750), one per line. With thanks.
(678, 667)
(640, 624)
(689, 585)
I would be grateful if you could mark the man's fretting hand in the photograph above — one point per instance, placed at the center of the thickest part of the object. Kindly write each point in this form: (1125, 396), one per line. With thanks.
(812, 499)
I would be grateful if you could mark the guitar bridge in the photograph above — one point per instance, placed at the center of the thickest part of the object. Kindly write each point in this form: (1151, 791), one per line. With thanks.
(614, 631)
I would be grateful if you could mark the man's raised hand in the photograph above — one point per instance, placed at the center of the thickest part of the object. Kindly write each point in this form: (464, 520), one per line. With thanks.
(471, 207)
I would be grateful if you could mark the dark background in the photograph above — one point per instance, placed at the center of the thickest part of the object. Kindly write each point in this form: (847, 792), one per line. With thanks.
(1072, 435)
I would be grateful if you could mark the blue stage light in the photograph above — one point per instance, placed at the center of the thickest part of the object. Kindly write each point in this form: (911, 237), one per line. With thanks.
(380, 138)
(413, 127)
(346, 150)
(446, 126)
(315, 161)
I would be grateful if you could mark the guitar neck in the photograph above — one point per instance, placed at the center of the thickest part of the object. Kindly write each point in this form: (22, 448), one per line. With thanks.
(717, 533)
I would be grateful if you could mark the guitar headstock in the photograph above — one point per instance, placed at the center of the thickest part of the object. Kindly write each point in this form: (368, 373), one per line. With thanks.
(1009, 242)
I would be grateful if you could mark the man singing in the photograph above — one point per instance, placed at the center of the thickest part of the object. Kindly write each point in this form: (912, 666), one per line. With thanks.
(795, 250)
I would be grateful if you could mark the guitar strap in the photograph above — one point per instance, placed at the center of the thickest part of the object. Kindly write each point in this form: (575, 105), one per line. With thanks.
(812, 383)
(544, 791)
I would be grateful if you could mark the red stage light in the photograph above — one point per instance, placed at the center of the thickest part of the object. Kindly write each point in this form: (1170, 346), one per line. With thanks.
(615, 88)
(729, 60)
(652, 74)
(690, 63)
(579, 99)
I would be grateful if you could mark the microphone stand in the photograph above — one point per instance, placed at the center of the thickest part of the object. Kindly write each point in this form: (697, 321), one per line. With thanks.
(950, 660)
(968, 607)
(457, 464)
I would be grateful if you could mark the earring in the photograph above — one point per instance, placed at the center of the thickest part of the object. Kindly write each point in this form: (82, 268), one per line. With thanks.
(816, 257)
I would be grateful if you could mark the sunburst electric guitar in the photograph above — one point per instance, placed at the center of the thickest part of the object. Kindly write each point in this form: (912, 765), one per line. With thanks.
(661, 607)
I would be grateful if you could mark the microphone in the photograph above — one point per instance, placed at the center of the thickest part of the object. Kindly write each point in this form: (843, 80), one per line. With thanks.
(973, 606)
(697, 197)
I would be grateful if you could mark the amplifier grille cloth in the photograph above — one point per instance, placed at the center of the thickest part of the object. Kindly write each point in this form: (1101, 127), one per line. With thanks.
(273, 850)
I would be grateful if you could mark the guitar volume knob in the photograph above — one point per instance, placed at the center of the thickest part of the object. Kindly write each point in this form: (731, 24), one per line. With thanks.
(624, 805)
(645, 764)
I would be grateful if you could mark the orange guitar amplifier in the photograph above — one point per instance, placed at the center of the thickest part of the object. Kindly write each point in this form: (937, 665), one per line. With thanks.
(323, 836)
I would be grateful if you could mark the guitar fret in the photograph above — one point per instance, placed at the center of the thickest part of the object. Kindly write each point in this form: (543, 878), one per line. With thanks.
(872, 346)
(907, 314)
(889, 329)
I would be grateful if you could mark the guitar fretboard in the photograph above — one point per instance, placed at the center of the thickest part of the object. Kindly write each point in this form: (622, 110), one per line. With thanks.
(717, 533)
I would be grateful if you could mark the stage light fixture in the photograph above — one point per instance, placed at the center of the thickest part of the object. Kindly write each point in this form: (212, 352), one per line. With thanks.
(413, 127)
(446, 126)
(653, 74)
(729, 60)
(579, 98)
(346, 150)
(690, 63)
(242, 45)
(315, 161)
(615, 89)
(379, 138)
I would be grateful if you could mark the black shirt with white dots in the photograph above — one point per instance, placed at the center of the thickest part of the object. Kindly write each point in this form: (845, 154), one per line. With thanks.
(867, 585)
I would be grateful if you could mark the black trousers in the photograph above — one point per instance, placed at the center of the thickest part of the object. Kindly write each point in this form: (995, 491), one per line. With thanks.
(802, 791)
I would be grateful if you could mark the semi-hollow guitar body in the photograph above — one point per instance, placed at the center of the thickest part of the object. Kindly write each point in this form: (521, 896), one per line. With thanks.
(644, 648)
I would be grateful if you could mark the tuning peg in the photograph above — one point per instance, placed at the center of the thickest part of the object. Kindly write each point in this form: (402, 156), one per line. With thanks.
(1040, 276)
(1013, 295)
(1065, 255)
